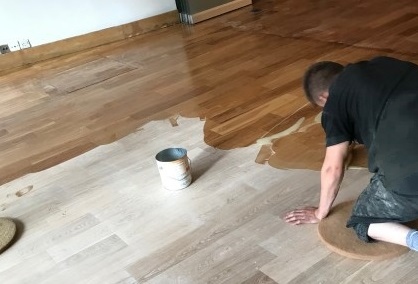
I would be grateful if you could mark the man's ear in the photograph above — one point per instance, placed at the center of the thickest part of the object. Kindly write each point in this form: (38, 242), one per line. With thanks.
(323, 97)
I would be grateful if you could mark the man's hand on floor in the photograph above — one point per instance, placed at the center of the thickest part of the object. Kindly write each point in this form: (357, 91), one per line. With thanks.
(305, 215)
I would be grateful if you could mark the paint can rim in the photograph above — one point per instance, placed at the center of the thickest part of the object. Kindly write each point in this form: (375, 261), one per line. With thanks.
(171, 155)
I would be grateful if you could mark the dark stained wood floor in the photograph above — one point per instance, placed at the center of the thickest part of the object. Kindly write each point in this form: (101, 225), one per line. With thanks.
(240, 72)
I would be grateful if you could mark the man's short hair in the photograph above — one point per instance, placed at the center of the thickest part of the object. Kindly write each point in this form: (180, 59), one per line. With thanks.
(318, 79)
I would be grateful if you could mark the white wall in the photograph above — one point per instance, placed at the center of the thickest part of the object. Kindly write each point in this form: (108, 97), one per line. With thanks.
(45, 21)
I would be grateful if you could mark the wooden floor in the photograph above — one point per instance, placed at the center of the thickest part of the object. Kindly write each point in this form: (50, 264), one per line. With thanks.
(228, 90)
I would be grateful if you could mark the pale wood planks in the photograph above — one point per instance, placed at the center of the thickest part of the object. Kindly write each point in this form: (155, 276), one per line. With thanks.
(112, 216)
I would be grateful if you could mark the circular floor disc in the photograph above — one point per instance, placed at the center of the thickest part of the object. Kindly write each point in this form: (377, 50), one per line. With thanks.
(344, 241)
(7, 232)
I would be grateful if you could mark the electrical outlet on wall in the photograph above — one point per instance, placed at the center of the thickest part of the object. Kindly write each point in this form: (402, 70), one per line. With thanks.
(24, 43)
(4, 48)
(14, 46)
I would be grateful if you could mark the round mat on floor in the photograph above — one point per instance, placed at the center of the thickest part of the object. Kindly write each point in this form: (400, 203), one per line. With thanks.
(7, 232)
(344, 241)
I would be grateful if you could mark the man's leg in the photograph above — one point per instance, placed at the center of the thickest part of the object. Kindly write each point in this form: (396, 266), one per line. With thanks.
(394, 233)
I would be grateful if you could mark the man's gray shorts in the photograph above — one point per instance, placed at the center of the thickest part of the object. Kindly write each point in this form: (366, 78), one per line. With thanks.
(376, 204)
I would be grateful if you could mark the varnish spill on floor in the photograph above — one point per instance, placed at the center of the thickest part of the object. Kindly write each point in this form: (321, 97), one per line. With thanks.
(290, 130)
(24, 191)
(301, 146)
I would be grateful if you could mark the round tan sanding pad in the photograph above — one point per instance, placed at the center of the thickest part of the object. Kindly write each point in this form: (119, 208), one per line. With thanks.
(7, 232)
(344, 241)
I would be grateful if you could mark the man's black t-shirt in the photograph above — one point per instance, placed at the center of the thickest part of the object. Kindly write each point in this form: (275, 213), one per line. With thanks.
(376, 104)
(357, 97)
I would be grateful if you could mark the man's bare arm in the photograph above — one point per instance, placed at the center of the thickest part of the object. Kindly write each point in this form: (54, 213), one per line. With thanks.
(332, 174)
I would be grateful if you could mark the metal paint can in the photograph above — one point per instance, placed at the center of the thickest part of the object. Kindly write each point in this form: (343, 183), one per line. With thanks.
(175, 168)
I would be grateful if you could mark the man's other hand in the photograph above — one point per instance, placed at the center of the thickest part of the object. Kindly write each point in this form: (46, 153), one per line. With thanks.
(307, 215)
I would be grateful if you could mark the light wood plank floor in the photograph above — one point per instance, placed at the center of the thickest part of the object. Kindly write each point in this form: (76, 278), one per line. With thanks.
(232, 85)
